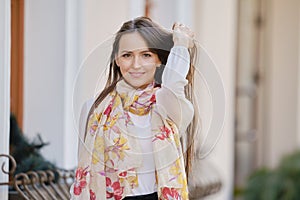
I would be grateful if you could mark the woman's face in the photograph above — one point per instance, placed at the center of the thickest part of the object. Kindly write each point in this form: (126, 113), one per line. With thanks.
(137, 63)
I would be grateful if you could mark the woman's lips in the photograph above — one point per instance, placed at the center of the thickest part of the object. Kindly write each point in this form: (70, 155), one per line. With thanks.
(136, 74)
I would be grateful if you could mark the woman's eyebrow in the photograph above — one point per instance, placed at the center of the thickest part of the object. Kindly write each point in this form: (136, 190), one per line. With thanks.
(130, 51)
(146, 51)
(126, 51)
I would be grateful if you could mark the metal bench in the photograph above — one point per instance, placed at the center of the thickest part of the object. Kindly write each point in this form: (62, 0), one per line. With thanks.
(39, 185)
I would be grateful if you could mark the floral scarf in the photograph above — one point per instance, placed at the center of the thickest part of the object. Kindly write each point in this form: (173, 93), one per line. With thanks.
(111, 154)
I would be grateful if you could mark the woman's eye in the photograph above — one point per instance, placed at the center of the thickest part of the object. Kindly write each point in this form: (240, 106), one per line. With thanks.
(126, 55)
(147, 55)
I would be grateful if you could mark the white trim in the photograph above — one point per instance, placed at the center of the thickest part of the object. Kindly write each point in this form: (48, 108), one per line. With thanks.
(4, 88)
(72, 51)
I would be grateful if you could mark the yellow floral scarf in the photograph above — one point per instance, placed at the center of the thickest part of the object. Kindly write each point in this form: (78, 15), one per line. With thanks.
(111, 154)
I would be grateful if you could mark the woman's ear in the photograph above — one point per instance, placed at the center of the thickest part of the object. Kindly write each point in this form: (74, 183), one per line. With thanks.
(158, 64)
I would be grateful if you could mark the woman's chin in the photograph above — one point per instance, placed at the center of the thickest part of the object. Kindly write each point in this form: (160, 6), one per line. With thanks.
(137, 84)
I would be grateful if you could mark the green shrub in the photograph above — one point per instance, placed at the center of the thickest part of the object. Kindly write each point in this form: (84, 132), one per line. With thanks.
(282, 183)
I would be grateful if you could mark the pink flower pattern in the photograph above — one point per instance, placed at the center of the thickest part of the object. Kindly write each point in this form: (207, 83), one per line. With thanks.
(113, 190)
(80, 180)
(170, 194)
(92, 195)
(164, 133)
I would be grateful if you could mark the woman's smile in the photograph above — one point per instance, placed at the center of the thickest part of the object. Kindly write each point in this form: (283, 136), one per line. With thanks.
(136, 74)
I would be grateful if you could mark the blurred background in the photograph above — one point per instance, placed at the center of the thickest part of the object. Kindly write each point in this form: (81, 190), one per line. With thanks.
(255, 45)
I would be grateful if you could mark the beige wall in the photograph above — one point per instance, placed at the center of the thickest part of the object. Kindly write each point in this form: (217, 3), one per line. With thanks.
(101, 19)
(215, 23)
(281, 79)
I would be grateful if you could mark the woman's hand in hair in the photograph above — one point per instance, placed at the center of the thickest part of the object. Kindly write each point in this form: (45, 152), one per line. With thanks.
(182, 36)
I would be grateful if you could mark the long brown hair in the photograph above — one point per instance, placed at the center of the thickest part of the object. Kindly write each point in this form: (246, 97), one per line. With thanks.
(159, 42)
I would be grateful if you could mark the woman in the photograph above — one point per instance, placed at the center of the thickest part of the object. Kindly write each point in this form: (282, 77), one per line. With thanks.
(130, 146)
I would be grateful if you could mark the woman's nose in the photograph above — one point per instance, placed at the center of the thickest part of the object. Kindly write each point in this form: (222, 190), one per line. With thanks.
(136, 62)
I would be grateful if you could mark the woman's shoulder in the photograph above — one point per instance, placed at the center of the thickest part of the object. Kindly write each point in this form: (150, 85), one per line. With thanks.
(87, 105)
(86, 108)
